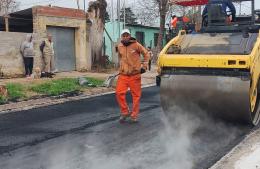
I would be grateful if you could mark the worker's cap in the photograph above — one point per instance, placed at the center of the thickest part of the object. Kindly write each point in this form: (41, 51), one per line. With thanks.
(125, 31)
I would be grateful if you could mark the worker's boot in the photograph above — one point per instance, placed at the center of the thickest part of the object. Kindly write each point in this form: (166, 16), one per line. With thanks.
(133, 120)
(123, 118)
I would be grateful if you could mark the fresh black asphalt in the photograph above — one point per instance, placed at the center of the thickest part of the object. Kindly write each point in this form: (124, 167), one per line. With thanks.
(85, 134)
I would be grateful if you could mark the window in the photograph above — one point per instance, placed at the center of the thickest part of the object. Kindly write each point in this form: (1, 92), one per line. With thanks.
(156, 35)
(140, 37)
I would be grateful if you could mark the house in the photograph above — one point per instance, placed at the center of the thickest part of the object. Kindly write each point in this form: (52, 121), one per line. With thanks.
(146, 35)
(67, 26)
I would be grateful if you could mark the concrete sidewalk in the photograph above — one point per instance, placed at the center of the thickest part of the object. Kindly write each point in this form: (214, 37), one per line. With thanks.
(246, 155)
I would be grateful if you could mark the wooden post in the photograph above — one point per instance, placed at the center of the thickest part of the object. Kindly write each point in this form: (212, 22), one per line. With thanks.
(6, 23)
(198, 19)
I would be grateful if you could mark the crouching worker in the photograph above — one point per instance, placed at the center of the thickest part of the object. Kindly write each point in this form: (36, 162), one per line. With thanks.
(130, 70)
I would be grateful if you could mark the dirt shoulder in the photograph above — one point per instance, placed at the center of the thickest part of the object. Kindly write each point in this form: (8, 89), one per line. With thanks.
(35, 101)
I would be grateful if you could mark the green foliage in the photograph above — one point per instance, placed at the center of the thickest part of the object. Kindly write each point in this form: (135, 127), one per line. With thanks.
(3, 99)
(130, 17)
(18, 91)
(57, 87)
(15, 91)
(95, 82)
(107, 17)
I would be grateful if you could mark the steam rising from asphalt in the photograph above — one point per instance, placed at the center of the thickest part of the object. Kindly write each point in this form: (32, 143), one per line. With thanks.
(173, 147)
(177, 144)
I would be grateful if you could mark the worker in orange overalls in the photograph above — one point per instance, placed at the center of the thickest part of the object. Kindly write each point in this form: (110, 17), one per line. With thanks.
(130, 70)
(174, 21)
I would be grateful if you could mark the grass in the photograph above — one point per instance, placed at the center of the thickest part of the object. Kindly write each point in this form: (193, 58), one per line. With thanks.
(15, 91)
(57, 87)
(95, 82)
(3, 99)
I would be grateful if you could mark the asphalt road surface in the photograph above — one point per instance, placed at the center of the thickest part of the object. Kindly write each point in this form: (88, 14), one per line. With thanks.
(86, 134)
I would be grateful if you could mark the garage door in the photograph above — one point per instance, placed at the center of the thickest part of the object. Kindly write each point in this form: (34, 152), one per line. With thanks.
(64, 47)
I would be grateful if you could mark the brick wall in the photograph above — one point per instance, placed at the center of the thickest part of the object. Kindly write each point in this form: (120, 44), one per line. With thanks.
(11, 61)
(54, 16)
(60, 12)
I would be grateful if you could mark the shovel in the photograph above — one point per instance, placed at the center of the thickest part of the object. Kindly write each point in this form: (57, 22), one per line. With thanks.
(109, 81)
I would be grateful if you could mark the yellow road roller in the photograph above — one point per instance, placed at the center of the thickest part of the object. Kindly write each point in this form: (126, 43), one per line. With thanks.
(216, 69)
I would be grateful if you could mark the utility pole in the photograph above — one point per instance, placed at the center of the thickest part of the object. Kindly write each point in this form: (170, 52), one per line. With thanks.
(240, 8)
(6, 17)
(118, 17)
(84, 5)
(113, 17)
(124, 15)
(78, 4)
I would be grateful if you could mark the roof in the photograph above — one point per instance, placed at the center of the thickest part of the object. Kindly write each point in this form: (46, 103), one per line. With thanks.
(23, 13)
(60, 12)
(143, 26)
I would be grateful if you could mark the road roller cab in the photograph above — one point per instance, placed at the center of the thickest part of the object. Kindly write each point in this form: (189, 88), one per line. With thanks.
(217, 69)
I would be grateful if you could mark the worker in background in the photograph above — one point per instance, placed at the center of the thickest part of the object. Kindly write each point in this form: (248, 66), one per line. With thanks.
(181, 20)
(174, 21)
(150, 58)
(28, 54)
(129, 51)
(225, 4)
(47, 49)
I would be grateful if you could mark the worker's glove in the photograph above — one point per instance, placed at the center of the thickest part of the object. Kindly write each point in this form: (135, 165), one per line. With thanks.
(142, 70)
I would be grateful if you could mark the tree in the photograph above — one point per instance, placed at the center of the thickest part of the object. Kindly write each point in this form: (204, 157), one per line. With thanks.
(8, 6)
(147, 12)
(107, 17)
(130, 17)
(163, 7)
(151, 10)
(97, 12)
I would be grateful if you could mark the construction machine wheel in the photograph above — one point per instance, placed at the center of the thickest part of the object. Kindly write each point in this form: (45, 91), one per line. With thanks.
(255, 106)
(225, 98)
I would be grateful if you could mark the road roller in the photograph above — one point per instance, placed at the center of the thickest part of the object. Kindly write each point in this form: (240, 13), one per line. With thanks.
(216, 69)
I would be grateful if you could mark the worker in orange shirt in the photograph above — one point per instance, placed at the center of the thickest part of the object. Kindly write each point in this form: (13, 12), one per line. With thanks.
(130, 70)
(185, 19)
(174, 21)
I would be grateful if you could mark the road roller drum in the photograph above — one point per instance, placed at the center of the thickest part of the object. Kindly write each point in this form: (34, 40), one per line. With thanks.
(216, 69)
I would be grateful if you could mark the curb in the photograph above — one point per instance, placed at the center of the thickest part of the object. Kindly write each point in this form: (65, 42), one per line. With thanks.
(49, 101)
(244, 147)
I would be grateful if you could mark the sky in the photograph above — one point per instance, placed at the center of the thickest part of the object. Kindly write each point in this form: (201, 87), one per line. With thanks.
(129, 3)
(63, 3)
(72, 3)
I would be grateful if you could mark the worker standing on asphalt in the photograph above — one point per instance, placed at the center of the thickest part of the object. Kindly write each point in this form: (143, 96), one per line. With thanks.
(129, 51)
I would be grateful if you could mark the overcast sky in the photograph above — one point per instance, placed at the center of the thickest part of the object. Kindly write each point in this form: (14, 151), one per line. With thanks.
(73, 4)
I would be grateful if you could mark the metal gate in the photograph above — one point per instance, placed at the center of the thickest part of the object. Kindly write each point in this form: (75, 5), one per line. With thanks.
(64, 47)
